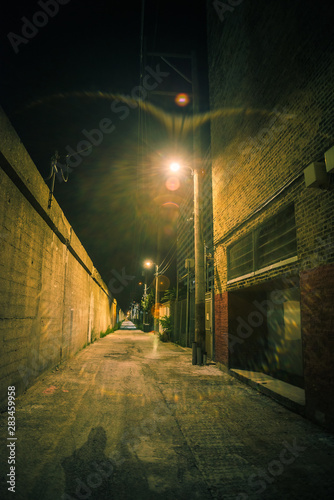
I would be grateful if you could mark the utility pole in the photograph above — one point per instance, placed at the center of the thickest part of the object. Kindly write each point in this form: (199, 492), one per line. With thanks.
(198, 226)
(145, 295)
(187, 308)
(156, 308)
(188, 264)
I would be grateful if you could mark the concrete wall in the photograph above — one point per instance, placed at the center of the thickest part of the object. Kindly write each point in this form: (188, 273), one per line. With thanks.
(52, 299)
(271, 71)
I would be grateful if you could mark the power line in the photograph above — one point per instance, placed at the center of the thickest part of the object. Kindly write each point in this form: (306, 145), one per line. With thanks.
(171, 248)
(167, 266)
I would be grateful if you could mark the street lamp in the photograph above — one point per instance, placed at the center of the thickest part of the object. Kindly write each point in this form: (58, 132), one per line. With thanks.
(199, 266)
(174, 166)
(149, 264)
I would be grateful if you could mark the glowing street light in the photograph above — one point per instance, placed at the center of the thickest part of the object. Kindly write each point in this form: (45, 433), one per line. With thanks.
(148, 264)
(174, 167)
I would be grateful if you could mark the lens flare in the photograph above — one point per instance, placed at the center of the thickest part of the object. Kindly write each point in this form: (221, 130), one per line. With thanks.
(170, 204)
(155, 310)
(163, 283)
(182, 100)
(168, 230)
(172, 183)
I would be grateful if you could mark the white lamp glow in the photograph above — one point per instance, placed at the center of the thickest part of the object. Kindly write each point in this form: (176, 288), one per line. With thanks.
(174, 167)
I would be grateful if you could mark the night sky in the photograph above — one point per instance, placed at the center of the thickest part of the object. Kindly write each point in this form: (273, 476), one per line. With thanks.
(56, 87)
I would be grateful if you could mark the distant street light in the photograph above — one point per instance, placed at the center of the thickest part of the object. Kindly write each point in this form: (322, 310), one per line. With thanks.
(149, 264)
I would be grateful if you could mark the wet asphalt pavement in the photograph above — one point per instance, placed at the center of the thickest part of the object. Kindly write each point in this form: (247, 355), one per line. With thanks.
(130, 418)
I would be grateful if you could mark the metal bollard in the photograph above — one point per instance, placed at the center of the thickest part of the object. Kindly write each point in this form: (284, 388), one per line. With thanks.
(194, 360)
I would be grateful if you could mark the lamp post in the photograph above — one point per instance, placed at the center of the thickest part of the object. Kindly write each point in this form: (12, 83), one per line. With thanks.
(199, 270)
(198, 226)
(157, 308)
(199, 263)
(148, 264)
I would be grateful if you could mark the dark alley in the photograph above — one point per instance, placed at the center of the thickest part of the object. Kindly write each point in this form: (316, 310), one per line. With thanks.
(167, 250)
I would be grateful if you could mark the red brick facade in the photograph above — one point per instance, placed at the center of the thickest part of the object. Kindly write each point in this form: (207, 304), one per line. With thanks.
(221, 326)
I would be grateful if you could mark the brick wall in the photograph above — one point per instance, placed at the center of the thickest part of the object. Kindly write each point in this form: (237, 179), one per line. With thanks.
(52, 299)
(221, 328)
(317, 292)
(271, 70)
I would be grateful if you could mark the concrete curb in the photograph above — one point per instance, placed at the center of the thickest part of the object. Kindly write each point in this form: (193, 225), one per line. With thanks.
(285, 394)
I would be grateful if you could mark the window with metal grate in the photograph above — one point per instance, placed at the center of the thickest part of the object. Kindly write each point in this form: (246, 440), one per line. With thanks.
(276, 239)
(273, 241)
(240, 257)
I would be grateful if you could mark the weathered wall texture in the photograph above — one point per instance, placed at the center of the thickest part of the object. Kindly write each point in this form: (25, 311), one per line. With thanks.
(52, 300)
(271, 66)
